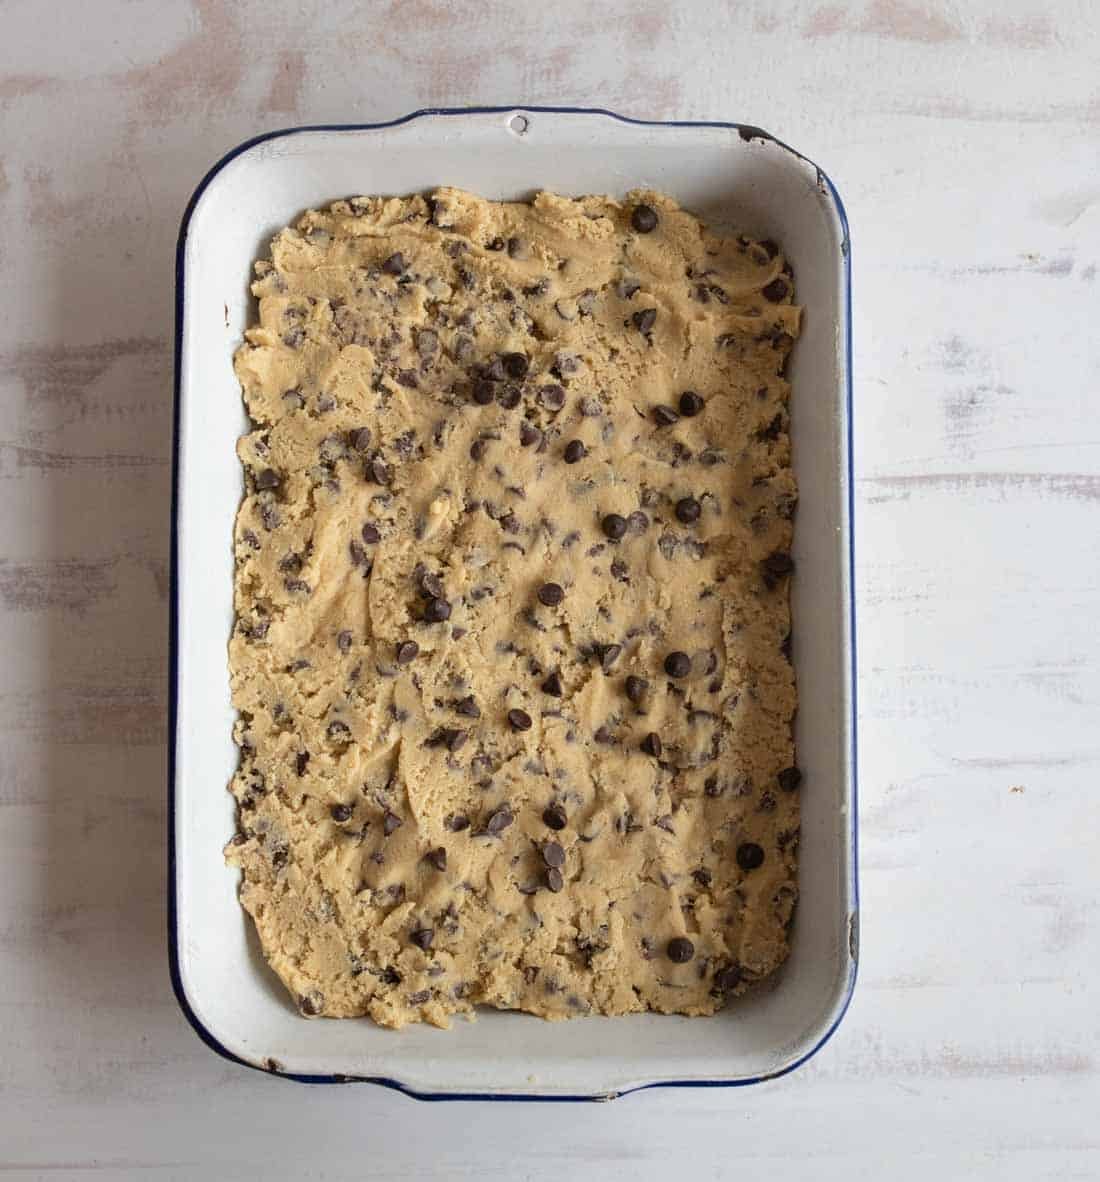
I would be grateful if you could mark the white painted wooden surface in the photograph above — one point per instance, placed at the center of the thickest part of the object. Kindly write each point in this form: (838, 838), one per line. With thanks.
(965, 139)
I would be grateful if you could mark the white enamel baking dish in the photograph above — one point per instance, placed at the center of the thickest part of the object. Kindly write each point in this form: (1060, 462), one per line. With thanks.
(732, 175)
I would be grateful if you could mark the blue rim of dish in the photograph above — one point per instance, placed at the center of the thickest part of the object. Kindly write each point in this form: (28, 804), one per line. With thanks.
(747, 132)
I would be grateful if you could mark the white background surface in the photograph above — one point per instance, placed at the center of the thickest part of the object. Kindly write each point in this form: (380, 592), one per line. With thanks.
(965, 140)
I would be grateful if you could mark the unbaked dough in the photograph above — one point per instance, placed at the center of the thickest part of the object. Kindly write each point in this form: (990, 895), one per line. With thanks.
(511, 655)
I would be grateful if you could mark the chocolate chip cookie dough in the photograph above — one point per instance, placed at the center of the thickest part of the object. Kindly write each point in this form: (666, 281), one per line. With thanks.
(511, 655)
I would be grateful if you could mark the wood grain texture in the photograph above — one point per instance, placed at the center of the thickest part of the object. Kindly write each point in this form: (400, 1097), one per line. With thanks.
(963, 137)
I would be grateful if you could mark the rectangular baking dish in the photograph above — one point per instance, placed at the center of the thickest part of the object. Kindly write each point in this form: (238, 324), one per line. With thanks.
(733, 176)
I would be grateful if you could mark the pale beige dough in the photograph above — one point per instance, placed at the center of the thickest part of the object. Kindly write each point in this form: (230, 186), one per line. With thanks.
(357, 770)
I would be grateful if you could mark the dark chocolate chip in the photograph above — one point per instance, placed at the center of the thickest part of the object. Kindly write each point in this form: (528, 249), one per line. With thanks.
(778, 563)
(515, 365)
(519, 720)
(422, 937)
(312, 1003)
(775, 291)
(553, 854)
(341, 812)
(528, 435)
(391, 822)
(553, 817)
(750, 856)
(644, 219)
(377, 472)
(437, 858)
(613, 526)
(430, 585)
(484, 391)
(360, 438)
(499, 820)
(456, 822)
(357, 554)
(690, 404)
(268, 478)
(635, 688)
(301, 762)
(395, 264)
(665, 416)
(550, 594)
(702, 876)
(554, 880)
(477, 450)
(574, 451)
(552, 685)
(770, 248)
(495, 244)
(407, 651)
(645, 319)
(651, 744)
(552, 397)
(608, 654)
(509, 395)
(789, 778)
(727, 978)
(468, 707)
(436, 611)
(680, 950)
(604, 735)
(688, 510)
(343, 640)
(677, 664)
(371, 534)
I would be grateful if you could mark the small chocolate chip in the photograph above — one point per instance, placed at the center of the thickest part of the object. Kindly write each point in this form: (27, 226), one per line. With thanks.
(574, 451)
(613, 526)
(338, 732)
(301, 762)
(775, 291)
(456, 822)
(528, 435)
(680, 950)
(343, 640)
(608, 654)
(552, 397)
(360, 438)
(688, 510)
(468, 707)
(407, 651)
(645, 319)
(357, 554)
(478, 449)
(651, 744)
(554, 880)
(553, 817)
(553, 854)
(550, 594)
(604, 735)
(391, 822)
(690, 404)
(552, 685)
(665, 416)
(635, 688)
(484, 391)
(377, 472)
(509, 395)
(267, 479)
(371, 534)
(778, 563)
(789, 778)
(702, 876)
(499, 820)
(644, 219)
(341, 812)
(395, 264)
(519, 720)
(727, 978)
(750, 856)
(422, 937)
(311, 1004)
(515, 365)
(437, 858)
(436, 611)
(677, 664)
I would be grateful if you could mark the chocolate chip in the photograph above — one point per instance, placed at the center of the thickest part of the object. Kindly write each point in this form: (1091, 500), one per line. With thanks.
(608, 654)
(377, 472)
(267, 479)
(360, 438)
(550, 594)
(343, 640)
(391, 822)
(613, 526)
(688, 510)
(395, 264)
(604, 735)
(665, 416)
(574, 451)
(778, 563)
(750, 856)
(774, 291)
(690, 404)
(553, 879)
(727, 978)
(341, 812)
(552, 685)
(456, 822)
(477, 450)
(357, 554)
(680, 950)
(422, 937)
(312, 1003)
(437, 858)
(552, 397)
(789, 778)
(515, 365)
(651, 744)
(528, 435)
(338, 732)
(644, 219)
(702, 876)
(436, 611)
(635, 688)
(553, 817)
(519, 720)
(407, 651)
(770, 248)
(553, 854)
(499, 820)
(677, 664)
(484, 391)
(302, 762)
(371, 534)
(645, 319)
(509, 395)
(468, 707)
